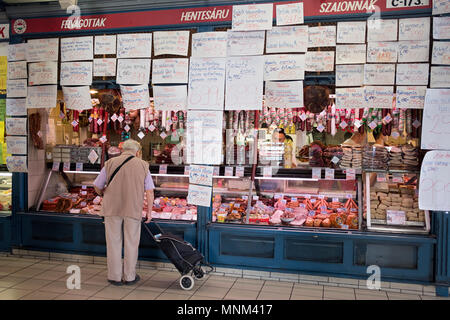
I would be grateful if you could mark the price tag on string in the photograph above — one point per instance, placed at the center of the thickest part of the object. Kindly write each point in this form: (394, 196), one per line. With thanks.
(66, 166)
(317, 173)
(303, 116)
(387, 119)
(93, 156)
(151, 128)
(55, 166)
(99, 122)
(329, 174)
(120, 118)
(372, 125)
(103, 139)
(350, 174)
(343, 125)
(267, 171)
(79, 166)
(74, 123)
(141, 135)
(381, 177)
(357, 123)
(228, 171)
(163, 135)
(320, 128)
(114, 117)
(163, 169)
(39, 133)
(416, 124)
(335, 160)
(127, 128)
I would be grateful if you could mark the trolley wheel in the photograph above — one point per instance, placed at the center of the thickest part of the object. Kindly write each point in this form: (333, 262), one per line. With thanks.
(186, 282)
(198, 273)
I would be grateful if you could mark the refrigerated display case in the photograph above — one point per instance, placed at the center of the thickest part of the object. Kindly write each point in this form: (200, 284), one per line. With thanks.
(5, 209)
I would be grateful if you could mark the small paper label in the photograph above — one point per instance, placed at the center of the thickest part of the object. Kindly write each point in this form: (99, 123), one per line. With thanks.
(416, 124)
(216, 171)
(307, 196)
(103, 139)
(320, 127)
(99, 122)
(357, 123)
(237, 205)
(395, 134)
(387, 119)
(62, 115)
(293, 199)
(97, 200)
(343, 124)
(127, 128)
(239, 171)
(349, 196)
(350, 174)
(397, 178)
(114, 117)
(79, 166)
(141, 135)
(321, 197)
(395, 217)
(267, 171)
(93, 156)
(335, 160)
(372, 125)
(302, 205)
(316, 173)
(120, 118)
(187, 169)
(151, 127)
(381, 177)
(90, 119)
(163, 169)
(55, 166)
(228, 171)
(74, 123)
(169, 122)
(256, 198)
(335, 199)
(39, 133)
(66, 166)
(244, 197)
(83, 204)
(329, 174)
(303, 117)
(83, 187)
(163, 135)
(278, 196)
(312, 213)
(83, 193)
(313, 200)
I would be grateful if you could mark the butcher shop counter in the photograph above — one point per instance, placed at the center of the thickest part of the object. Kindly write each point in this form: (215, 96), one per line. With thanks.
(5, 209)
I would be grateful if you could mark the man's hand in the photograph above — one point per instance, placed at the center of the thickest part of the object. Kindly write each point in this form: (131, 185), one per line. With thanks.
(148, 217)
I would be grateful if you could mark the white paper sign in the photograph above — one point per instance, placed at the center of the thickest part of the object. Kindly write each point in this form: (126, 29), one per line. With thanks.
(16, 52)
(204, 137)
(16, 88)
(440, 77)
(170, 98)
(289, 14)
(17, 70)
(378, 97)
(436, 120)
(433, 185)
(382, 30)
(441, 7)
(351, 54)
(206, 83)
(16, 107)
(16, 145)
(16, 163)
(410, 97)
(16, 126)
(412, 74)
(134, 45)
(414, 29)
(351, 32)
(284, 67)
(441, 28)
(245, 43)
(319, 61)
(135, 97)
(42, 96)
(287, 39)
(413, 51)
(209, 44)
(133, 71)
(42, 50)
(252, 17)
(349, 98)
(379, 74)
(45, 72)
(322, 36)
(201, 175)
(105, 67)
(76, 73)
(105, 44)
(382, 51)
(199, 195)
(286, 94)
(170, 70)
(171, 42)
(77, 48)
(349, 75)
(244, 83)
(441, 52)
(77, 98)
(395, 217)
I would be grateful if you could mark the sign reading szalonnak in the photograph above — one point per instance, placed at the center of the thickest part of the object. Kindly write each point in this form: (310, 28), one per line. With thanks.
(122, 20)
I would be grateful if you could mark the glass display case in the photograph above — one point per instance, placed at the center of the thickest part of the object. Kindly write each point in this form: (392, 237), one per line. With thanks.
(5, 193)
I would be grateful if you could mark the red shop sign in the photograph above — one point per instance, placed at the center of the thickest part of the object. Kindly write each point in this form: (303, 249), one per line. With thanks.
(185, 16)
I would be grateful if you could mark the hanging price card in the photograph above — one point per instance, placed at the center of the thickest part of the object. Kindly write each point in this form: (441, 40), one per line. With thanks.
(163, 169)
(228, 171)
(267, 171)
(66, 166)
(329, 174)
(216, 171)
(350, 174)
(316, 173)
(239, 171)
(79, 166)
(55, 166)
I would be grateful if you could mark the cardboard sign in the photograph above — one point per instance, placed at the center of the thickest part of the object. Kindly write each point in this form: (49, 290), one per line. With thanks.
(441, 28)
(77, 98)
(284, 67)
(105, 67)
(76, 73)
(349, 75)
(441, 53)
(16, 107)
(440, 77)
(245, 43)
(16, 163)
(378, 96)
(351, 32)
(16, 88)
(244, 83)
(319, 61)
(441, 7)
(42, 50)
(17, 70)
(16, 52)
(206, 83)
(322, 36)
(351, 54)
(209, 44)
(382, 30)
(134, 45)
(16, 145)
(76, 49)
(395, 217)
(410, 97)
(105, 44)
(436, 120)
(433, 184)
(45, 72)
(133, 71)
(289, 14)
(252, 17)
(287, 39)
(170, 98)
(16, 126)
(42, 96)
(170, 70)
(201, 175)
(286, 94)
(349, 98)
(382, 51)
(135, 97)
(414, 29)
(413, 51)
(171, 42)
(199, 195)
(379, 74)
(412, 74)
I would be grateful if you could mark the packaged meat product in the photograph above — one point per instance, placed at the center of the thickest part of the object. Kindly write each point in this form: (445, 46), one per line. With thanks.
(317, 222)
(309, 222)
(326, 223)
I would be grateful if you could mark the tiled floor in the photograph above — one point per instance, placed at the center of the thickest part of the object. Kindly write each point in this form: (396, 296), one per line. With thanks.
(33, 279)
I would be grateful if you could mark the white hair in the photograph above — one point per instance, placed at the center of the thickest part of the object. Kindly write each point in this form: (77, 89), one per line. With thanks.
(131, 145)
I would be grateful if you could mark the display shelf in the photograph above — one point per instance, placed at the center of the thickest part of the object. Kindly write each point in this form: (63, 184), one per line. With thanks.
(407, 223)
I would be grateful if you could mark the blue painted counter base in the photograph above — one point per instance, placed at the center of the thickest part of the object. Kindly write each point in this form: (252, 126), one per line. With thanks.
(5, 233)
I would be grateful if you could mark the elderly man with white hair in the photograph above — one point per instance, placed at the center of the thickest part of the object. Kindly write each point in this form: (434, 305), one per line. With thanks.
(123, 181)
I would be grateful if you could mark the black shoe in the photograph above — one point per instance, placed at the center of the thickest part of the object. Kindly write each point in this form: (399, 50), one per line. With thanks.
(116, 283)
(136, 279)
